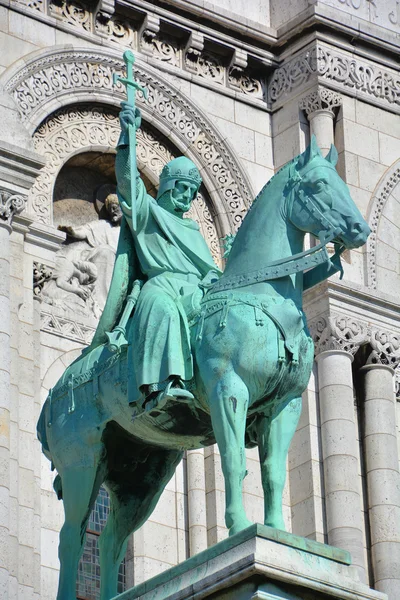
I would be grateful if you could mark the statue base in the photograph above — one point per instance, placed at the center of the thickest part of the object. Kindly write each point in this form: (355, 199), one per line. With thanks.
(260, 563)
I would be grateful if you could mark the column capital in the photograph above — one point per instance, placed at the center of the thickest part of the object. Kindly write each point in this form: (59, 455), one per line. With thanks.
(338, 332)
(320, 100)
(11, 203)
(385, 348)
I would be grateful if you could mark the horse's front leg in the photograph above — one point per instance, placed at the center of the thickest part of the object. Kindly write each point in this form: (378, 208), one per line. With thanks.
(274, 436)
(228, 403)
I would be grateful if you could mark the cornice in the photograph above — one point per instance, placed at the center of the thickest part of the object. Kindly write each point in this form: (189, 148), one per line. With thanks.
(369, 305)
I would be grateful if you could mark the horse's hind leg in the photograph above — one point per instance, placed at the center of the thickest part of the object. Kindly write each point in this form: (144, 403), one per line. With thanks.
(274, 436)
(228, 405)
(80, 486)
(133, 497)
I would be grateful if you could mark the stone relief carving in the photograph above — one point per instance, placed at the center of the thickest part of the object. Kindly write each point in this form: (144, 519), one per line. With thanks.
(72, 12)
(320, 99)
(206, 65)
(41, 274)
(385, 348)
(10, 204)
(338, 332)
(390, 181)
(65, 133)
(353, 74)
(102, 21)
(82, 275)
(161, 47)
(88, 72)
(64, 327)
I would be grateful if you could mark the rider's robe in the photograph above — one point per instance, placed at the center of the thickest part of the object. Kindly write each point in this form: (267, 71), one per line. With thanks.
(172, 257)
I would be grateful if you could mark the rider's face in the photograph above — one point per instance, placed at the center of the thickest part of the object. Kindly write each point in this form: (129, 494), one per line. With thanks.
(182, 195)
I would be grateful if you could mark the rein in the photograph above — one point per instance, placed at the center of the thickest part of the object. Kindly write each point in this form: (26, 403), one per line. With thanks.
(290, 264)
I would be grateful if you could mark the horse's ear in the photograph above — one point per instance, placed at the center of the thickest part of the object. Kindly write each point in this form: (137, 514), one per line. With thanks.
(332, 155)
(314, 147)
(309, 153)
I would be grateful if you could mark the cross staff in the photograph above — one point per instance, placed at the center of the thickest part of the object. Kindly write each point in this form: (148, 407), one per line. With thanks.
(131, 87)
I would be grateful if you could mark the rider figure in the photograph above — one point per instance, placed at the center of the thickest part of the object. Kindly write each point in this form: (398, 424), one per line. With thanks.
(173, 258)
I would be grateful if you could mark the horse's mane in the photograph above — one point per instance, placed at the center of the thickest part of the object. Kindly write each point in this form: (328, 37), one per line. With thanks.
(274, 179)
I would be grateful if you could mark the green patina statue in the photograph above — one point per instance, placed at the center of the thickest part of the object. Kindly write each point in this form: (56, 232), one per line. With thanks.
(185, 356)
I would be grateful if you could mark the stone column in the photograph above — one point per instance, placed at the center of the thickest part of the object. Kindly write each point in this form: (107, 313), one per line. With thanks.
(382, 461)
(196, 486)
(338, 342)
(10, 204)
(319, 107)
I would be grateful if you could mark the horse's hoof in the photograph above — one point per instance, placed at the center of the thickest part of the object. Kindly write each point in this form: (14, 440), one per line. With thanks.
(237, 527)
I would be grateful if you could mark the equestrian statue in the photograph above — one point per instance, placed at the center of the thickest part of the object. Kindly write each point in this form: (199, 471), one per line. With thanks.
(186, 356)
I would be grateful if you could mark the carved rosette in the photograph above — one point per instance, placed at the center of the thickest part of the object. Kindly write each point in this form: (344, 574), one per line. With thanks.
(338, 332)
(10, 204)
(385, 348)
(321, 99)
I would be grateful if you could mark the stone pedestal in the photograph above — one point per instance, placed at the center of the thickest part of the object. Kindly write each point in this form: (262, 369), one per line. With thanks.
(260, 563)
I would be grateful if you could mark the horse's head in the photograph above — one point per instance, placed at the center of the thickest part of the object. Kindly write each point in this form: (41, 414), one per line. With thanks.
(320, 201)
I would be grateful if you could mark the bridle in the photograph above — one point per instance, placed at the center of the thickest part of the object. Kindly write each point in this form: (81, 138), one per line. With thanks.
(291, 264)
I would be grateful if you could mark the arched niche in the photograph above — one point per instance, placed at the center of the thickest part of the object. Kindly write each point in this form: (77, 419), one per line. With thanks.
(72, 132)
(383, 246)
(45, 82)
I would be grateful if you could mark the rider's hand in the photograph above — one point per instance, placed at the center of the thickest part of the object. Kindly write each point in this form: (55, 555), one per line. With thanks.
(129, 116)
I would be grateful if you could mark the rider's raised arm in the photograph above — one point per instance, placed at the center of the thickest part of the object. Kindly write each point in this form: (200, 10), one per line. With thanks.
(123, 174)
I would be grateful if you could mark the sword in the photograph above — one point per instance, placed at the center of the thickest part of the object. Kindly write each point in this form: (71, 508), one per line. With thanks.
(131, 88)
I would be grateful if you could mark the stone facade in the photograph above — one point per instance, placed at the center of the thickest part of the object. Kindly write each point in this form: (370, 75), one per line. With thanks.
(238, 87)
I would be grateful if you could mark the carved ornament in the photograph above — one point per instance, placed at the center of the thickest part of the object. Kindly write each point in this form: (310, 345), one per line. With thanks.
(101, 21)
(45, 81)
(320, 99)
(385, 188)
(10, 204)
(41, 274)
(356, 76)
(385, 348)
(338, 332)
(64, 327)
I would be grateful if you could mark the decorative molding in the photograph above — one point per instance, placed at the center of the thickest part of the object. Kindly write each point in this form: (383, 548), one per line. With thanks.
(72, 12)
(338, 332)
(100, 20)
(320, 99)
(64, 327)
(10, 204)
(50, 80)
(339, 69)
(384, 189)
(206, 65)
(385, 348)
(37, 5)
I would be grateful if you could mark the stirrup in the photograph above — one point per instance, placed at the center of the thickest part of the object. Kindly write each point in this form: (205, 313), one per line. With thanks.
(173, 392)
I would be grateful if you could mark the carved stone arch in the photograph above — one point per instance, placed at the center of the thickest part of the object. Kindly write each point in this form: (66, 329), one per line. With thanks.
(71, 131)
(44, 82)
(383, 245)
